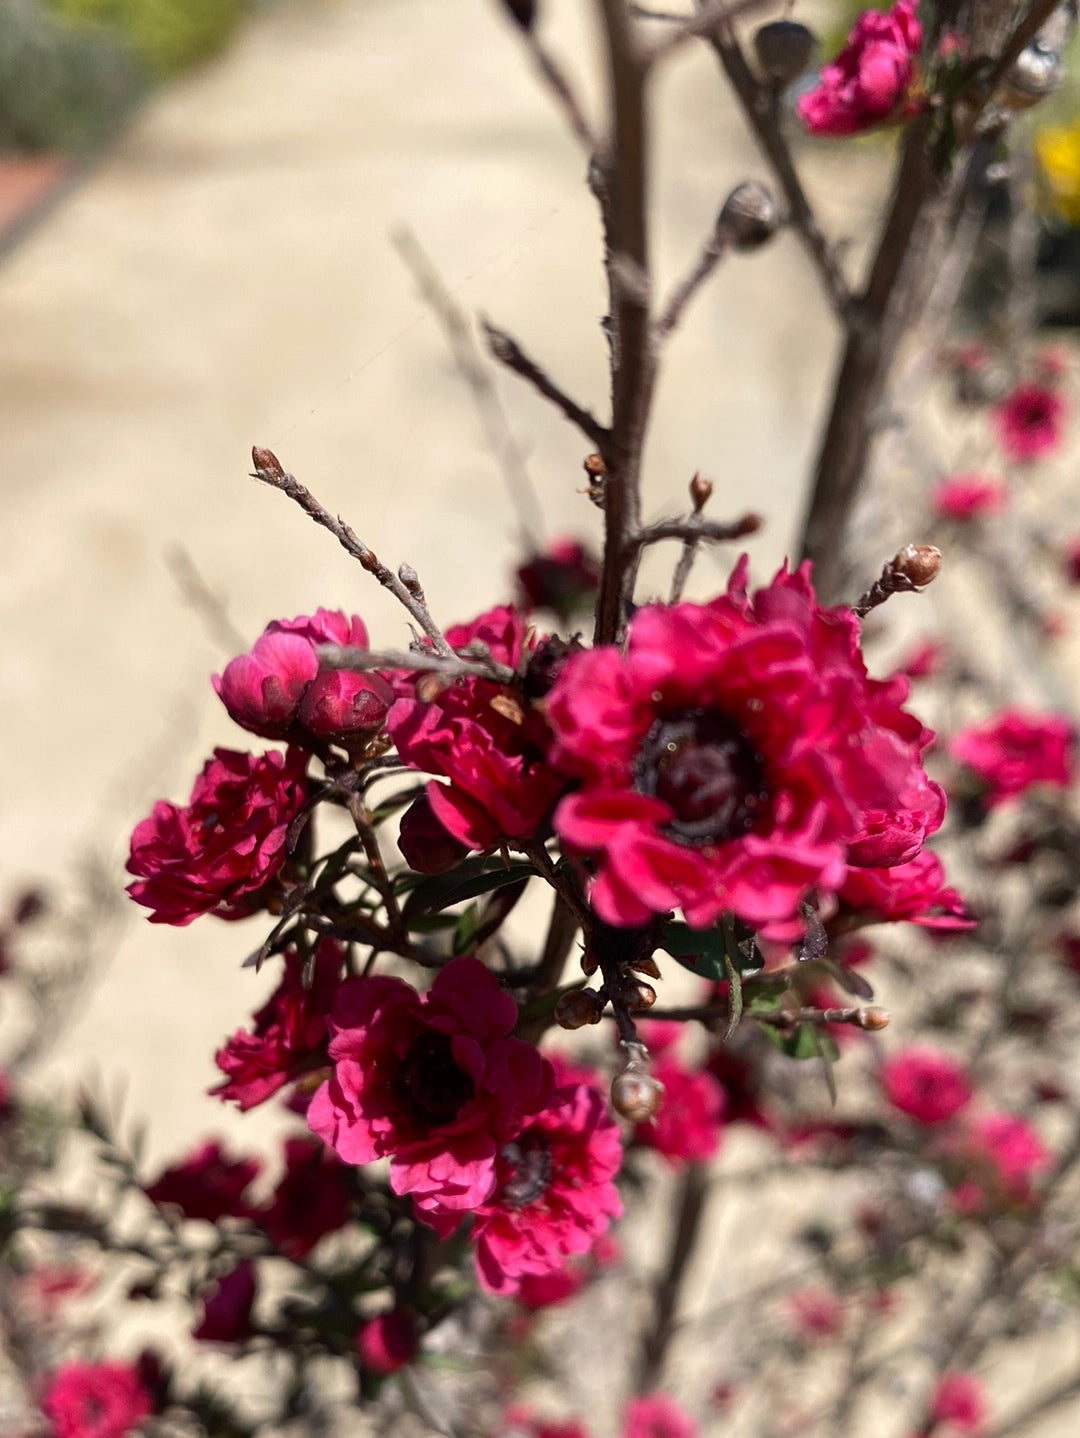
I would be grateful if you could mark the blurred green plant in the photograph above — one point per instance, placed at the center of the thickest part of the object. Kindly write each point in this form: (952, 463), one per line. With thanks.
(60, 90)
(166, 35)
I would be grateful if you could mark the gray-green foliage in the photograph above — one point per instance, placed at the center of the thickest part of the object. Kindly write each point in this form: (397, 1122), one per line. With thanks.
(165, 35)
(59, 89)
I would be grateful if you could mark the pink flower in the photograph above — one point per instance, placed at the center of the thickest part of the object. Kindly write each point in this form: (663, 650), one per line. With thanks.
(927, 1085)
(95, 1400)
(388, 1342)
(923, 660)
(214, 856)
(520, 1419)
(487, 741)
(959, 1400)
(868, 82)
(689, 1125)
(279, 687)
(968, 496)
(207, 1185)
(997, 1158)
(424, 842)
(816, 1313)
(434, 1083)
(1030, 422)
(313, 1198)
(554, 1193)
(914, 892)
(1015, 751)
(290, 1032)
(227, 1307)
(563, 579)
(657, 1415)
(736, 757)
(544, 1290)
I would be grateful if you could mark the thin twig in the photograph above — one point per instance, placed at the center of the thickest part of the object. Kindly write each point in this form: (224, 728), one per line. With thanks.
(209, 606)
(268, 470)
(508, 352)
(551, 72)
(474, 371)
(454, 666)
(713, 251)
(703, 531)
(1020, 1422)
(693, 1193)
(760, 105)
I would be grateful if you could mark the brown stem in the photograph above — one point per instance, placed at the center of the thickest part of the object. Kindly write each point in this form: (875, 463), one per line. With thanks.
(623, 186)
(508, 352)
(759, 105)
(693, 1192)
(884, 310)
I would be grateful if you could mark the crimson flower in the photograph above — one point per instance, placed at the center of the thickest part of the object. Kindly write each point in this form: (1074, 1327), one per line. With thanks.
(1014, 751)
(816, 1313)
(735, 758)
(868, 82)
(95, 1400)
(434, 1083)
(914, 892)
(657, 1415)
(313, 1198)
(289, 1035)
(484, 741)
(965, 497)
(227, 1307)
(689, 1124)
(927, 1085)
(208, 1184)
(959, 1400)
(214, 856)
(1030, 422)
(279, 690)
(554, 1191)
(563, 578)
(387, 1342)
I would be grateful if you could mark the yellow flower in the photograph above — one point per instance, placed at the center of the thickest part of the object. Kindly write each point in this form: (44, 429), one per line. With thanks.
(1058, 152)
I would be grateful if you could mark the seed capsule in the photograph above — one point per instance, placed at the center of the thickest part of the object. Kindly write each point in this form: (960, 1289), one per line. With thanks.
(577, 1008)
(919, 563)
(750, 216)
(636, 1095)
(783, 50)
(1034, 74)
(637, 996)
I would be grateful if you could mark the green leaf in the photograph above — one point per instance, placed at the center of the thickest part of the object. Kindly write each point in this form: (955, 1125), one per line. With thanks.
(467, 881)
(735, 995)
(465, 929)
(711, 953)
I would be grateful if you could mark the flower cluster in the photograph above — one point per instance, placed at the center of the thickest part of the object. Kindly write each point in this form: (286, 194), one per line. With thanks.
(869, 82)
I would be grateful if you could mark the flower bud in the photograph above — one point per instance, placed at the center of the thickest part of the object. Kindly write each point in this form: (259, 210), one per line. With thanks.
(749, 216)
(340, 703)
(1034, 74)
(636, 995)
(636, 1095)
(266, 462)
(578, 1007)
(873, 1020)
(783, 50)
(700, 492)
(645, 965)
(919, 563)
(426, 845)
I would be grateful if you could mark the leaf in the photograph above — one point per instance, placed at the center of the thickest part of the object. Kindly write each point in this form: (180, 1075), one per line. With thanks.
(825, 1047)
(467, 881)
(465, 929)
(710, 953)
(814, 943)
(850, 981)
(735, 995)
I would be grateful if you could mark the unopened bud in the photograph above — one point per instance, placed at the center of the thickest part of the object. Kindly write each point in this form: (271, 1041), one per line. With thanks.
(578, 1007)
(522, 12)
(700, 492)
(589, 962)
(636, 1095)
(783, 50)
(267, 462)
(595, 468)
(1034, 74)
(873, 1020)
(918, 563)
(636, 995)
(750, 215)
(411, 580)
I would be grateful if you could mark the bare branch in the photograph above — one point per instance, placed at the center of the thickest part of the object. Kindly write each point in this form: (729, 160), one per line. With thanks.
(268, 470)
(760, 105)
(453, 666)
(474, 371)
(552, 74)
(695, 27)
(508, 352)
(209, 606)
(707, 531)
(713, 251)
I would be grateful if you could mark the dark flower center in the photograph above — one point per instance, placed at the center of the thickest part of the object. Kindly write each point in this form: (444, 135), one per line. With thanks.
(529, 1171)
(431, 1082)
(702, 765)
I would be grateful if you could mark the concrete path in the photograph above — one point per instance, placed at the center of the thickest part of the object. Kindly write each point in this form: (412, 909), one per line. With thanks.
(226, 278)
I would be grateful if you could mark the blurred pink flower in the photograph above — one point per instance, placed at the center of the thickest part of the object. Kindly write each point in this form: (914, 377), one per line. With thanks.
(870, 79)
